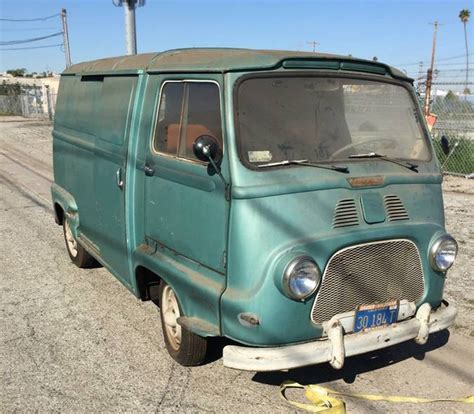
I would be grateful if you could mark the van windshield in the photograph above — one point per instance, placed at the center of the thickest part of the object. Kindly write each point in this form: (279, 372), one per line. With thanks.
(326, 120)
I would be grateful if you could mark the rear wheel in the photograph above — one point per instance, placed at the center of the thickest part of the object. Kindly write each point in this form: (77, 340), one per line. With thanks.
(185, 347)
(77, 253)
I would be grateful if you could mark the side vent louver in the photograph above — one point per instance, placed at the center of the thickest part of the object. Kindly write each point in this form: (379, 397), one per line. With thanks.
(345, 214)
(394, 208)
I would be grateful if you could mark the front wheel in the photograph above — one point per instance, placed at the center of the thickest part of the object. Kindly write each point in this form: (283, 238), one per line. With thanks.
(184, 346)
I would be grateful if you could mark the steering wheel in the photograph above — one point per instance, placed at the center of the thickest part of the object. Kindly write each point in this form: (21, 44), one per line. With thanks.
(356, 144)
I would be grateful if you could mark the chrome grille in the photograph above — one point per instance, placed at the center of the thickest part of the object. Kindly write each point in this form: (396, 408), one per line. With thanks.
(345, 214)
(369, 273)
(394, 208)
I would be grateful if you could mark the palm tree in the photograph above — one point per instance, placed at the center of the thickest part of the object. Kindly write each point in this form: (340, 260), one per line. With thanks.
(464, 15)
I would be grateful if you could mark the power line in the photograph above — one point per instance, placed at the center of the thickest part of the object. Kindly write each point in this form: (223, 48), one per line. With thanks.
(438, 60)
(30, 29)
(440, 72)
(453, 57)
(452, 70)
(32, 47)
(34, 39)
(451, 64)
(449, 76)
(452, 83)
(63, 32)
(31, 20)
(445, 65)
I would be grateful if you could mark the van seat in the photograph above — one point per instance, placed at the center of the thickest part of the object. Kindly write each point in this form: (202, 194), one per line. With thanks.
(193, 131)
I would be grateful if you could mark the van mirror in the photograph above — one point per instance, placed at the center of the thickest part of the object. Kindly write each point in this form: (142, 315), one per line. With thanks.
(206, 148)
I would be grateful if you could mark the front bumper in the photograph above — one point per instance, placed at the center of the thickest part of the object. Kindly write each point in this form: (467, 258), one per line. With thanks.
(337, 346)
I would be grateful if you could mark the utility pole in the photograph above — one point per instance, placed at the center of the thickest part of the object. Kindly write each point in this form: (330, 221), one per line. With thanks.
(313, 43)
(130, 28)
(429, 74)
(67, 50)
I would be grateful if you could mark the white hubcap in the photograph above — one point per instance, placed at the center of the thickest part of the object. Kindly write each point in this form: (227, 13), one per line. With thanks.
(70, 240)
(170, 310)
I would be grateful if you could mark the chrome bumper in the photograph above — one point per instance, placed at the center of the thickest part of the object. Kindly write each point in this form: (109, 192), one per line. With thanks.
(338, 346)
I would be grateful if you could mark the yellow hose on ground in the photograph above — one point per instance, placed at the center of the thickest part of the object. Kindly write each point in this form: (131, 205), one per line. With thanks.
(323, 402)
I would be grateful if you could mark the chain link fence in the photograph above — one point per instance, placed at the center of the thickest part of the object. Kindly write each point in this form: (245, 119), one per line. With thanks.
(27, 101)
(453, 133)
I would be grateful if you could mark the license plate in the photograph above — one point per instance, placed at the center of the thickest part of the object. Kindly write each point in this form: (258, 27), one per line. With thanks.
(374, 316)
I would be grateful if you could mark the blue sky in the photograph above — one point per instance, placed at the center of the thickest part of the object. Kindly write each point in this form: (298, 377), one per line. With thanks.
(396, 31)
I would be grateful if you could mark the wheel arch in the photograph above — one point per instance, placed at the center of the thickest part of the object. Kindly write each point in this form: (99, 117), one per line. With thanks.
(148, 283)
(64, 204)
(58, 214)
(197, 294)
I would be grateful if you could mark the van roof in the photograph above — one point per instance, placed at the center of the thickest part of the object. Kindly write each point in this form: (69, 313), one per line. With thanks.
(213, 60)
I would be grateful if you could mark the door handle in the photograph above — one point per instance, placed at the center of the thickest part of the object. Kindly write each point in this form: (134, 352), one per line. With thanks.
(118, 177)
(149, 171)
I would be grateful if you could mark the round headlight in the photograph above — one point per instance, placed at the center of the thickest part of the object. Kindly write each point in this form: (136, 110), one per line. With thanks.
(443, 253)
(301, 278)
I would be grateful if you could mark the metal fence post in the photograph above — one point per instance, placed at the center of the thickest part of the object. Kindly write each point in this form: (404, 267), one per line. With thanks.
(50, 103)
(25, 110)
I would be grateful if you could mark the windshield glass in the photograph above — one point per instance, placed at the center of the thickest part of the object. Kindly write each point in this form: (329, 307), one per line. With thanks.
(326, 119)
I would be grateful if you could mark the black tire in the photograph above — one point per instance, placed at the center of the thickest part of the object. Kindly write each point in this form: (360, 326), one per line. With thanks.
(78, 255)
(191, 348)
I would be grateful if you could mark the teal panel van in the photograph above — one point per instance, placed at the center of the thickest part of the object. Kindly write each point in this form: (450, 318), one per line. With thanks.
(290, 202)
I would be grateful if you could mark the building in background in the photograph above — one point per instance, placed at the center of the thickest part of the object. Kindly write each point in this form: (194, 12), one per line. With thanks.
(28, 96)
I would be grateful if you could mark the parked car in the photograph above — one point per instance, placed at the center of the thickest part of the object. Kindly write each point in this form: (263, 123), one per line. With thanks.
(288, 201)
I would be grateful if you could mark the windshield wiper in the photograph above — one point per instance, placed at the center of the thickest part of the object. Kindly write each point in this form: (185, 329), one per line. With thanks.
(409, 165)
(305, 163)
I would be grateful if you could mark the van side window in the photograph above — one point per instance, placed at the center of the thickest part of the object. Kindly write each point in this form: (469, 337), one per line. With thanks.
(169, 118)
(202, 116)
(187, 110)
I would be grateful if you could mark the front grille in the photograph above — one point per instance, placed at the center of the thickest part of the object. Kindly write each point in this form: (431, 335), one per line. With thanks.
(369, 273)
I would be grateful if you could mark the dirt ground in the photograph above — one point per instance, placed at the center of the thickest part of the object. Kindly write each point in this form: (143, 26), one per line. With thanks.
(74, 340)
(459, 210)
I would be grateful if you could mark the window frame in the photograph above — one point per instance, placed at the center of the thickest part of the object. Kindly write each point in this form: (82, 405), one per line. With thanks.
(154, 150)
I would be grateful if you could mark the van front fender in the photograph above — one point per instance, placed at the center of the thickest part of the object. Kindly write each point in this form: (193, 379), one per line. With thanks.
(67, 203)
